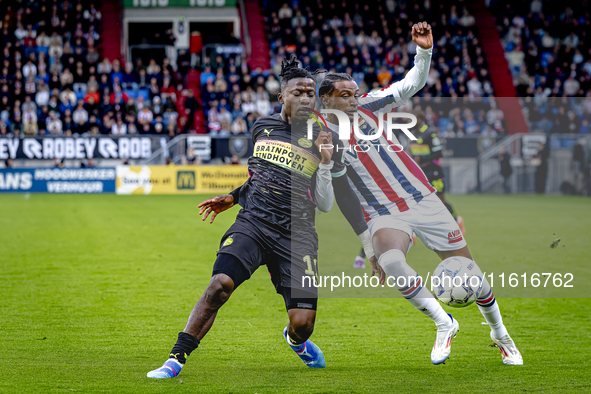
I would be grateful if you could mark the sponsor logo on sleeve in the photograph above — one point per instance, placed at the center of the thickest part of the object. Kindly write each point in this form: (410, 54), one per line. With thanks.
(454, 236)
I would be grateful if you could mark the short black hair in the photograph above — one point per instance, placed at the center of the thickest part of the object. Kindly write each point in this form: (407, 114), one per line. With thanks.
(328, 83)
(290, 69)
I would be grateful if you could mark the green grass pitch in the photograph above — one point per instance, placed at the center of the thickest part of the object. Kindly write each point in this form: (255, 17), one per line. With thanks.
(94, 289)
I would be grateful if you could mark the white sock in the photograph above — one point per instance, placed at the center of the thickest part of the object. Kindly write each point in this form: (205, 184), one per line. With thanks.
(410, 284)
(490, 310)
(430, 307)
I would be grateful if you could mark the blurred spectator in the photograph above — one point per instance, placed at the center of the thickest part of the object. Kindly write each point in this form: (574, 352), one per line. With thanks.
(248, 106)
(239, 126)
(80, 115)
(30, 122)
(146, 128)
(540, 161)
(578, 165)
(54, 125)
(171, 129)
(191, 157)
(506, 170)
(224, 128)
(145, 116)
(225, 115)
(571, 85)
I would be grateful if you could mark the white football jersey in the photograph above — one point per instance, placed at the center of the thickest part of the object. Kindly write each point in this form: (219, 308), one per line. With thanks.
(379, 171)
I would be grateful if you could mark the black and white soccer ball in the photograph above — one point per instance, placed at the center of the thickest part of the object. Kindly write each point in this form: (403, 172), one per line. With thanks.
(457, 282)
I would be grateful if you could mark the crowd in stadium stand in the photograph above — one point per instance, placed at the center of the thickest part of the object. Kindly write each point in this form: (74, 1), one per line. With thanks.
(549, 54)
(53, 80)
(547, 46)
(234, 96)
(50, 59)
(372, 42)
(374, 45)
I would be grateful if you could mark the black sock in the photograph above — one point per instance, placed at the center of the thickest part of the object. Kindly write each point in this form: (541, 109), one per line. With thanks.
(451, 210)
(362, 253)
(183, 347)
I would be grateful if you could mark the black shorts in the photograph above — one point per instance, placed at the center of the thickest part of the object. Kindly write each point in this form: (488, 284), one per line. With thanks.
(434, 174)
(293, 278)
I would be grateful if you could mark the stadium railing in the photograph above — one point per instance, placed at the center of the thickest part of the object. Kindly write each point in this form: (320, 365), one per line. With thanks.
(562, 171)
(183, 148)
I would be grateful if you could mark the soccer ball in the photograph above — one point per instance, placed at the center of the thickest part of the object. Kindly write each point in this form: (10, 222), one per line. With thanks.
(457, 282)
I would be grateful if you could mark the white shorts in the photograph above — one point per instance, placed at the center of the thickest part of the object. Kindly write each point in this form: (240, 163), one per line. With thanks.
(429, 220)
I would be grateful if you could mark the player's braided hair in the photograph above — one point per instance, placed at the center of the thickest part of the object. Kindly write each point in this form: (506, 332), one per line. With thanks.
(328, 83)
(290, 69)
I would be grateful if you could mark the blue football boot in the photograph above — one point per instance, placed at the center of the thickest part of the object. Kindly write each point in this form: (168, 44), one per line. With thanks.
(170, 369)
(310, 354)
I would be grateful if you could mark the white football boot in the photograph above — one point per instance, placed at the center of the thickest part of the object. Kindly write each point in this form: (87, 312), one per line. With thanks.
(442, 347)
(509, 351)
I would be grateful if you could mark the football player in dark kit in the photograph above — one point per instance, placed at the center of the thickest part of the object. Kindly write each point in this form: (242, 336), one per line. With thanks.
(290, 176)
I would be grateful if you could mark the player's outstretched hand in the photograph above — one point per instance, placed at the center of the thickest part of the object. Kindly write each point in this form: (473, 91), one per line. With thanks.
(376, 269)
(324, 145)
(422, 35)
(215, 205)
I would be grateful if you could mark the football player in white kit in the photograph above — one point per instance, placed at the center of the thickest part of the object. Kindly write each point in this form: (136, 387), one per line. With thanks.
(398, 200)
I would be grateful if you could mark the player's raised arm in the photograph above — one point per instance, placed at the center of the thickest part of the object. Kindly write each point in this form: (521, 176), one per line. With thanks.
(397, 93)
